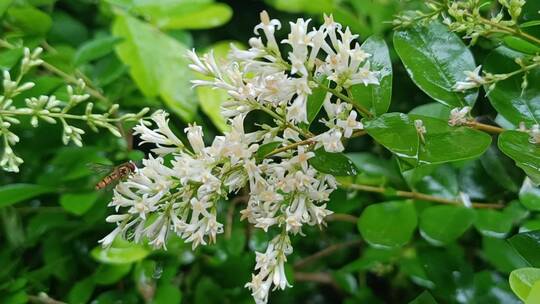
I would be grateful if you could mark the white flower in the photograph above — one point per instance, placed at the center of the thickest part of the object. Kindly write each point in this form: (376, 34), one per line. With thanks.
(459, 117)
(194, 135)
(331, 141)
(268, 26)
(420, 129)
(350, 124)
(473, 80)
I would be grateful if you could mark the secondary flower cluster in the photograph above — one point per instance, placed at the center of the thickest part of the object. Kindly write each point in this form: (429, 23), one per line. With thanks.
(178, 190)
(48, 109)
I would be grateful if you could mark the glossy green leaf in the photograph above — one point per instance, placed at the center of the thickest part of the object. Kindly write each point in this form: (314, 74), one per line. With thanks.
(441, 225)
(521, 45)
(527, 244)
(110, 274)
(435, 59)
(388, 224)
(501, 255)
(157, 64)
(78, 203)
(81, 291)
(120, 252)
(29, 19)
(314, 103)
(424, 298)
(184, 14)
(493, 223)
(266, 149)
(374, 170)
(443, 182)
(376, 98)
(501, 169)
(534, 294)
(303, 6)
(434, 109)
(15, 193)
(508, 98)
(4, 5)
(529, 195)
(336, 164)
(516, 145)
(522, 280)
(95, 49)
(167, 293)
(396, 131)
(211, 98)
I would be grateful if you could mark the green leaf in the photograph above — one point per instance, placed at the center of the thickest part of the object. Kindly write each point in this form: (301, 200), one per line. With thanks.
(157, 64)
(441, 225)
(15, 193)
(375, 170)
(508, 98)
(184, 14)
(529, 195)
(78, 203)
(424, 298)
(501, 169)
(501, 255)
(336, 164)
(516, 145)
(303, 6)
(81, 292)
(534, 294)
(493, 223)
(29, 19)
(211, 98)
(522, 280)
(236, 243)
(4, 5)
(110, 274)
(527, 244)
(120, 252)
(376, 98)
(435, 59)
(396, 131)
(388, 224)
(167, 293)
(266, 149)
(315, 102)
(95, 49)
(434, 109)
(521, 45)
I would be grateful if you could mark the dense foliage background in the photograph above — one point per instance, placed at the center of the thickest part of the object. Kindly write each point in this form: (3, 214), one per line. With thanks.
(131, 52)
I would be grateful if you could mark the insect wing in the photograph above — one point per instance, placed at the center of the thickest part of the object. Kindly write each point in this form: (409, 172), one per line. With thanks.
(100, 168)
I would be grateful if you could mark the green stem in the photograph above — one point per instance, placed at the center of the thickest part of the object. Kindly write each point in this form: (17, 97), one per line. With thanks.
(418, 196)
(363, 111)
(62, 115)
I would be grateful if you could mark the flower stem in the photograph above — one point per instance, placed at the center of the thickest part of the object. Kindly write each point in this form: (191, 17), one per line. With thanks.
(418, 196)
(325, 252)
(484, 127)
(363, 111)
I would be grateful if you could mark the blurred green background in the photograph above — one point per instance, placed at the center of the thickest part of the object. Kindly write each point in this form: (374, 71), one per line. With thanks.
(132, 53)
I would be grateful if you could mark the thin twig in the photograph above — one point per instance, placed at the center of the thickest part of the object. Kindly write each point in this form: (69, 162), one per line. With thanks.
(317, 277)
(363, 111)
(419, 196)
(484, 127)
(230, 213)
(342, 217)
(325, 252)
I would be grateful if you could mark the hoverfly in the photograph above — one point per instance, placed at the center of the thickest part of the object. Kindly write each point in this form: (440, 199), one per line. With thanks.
(114, 174)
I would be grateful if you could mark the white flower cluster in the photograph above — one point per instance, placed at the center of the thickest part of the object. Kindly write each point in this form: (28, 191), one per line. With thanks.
(48, 109)
(178, 190)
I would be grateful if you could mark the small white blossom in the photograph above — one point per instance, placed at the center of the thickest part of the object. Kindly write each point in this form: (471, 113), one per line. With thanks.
(473, 80)
(459, 117)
